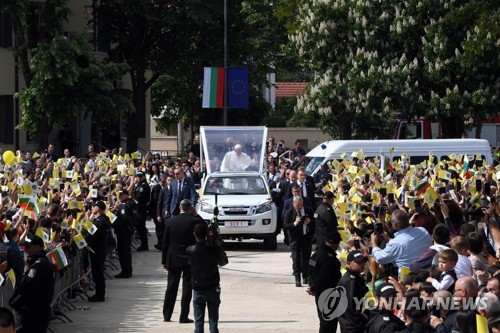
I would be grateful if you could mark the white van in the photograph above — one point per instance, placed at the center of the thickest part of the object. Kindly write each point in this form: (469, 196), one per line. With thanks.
(417, 150)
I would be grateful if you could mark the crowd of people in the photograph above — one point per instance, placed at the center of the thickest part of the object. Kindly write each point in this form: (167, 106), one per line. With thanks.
(408, 235)
(414, 233)
(57, 211)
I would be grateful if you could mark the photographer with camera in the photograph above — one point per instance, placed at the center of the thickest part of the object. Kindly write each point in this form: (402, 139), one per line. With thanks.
(204, 260)
(408, 244)
(299, 223)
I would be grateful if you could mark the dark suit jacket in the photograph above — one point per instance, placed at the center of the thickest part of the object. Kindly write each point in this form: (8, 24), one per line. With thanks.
(162, 200)
(326, 222)
(284, 186)
(174, 197)
(296, 237)
(178, 235)
(289, 202)
(310, 188)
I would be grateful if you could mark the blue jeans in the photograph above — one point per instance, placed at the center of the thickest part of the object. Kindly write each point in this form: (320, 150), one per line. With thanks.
(211, 299)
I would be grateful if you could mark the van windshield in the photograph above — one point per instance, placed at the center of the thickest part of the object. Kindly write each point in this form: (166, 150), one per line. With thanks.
(221, 184)
(312, 163)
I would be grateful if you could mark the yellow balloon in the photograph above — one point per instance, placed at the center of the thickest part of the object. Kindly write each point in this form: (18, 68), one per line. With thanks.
(9, 157)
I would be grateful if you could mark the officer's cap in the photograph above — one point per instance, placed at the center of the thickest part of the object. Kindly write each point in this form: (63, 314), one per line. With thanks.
(35, 240)
(333, 237)
(101, 205)
(356, 256)
(123, 191)
(328, 195)
(386, 290)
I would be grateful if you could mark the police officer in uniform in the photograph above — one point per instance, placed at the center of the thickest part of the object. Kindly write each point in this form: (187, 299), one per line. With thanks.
(326, 220)
(125, 211)
(141, 196)
(352, 320)
(324, 273)
(33, 294)
(382, 319)
(97, 242)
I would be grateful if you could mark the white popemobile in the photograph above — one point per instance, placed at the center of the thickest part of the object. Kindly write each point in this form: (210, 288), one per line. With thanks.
(233, 159)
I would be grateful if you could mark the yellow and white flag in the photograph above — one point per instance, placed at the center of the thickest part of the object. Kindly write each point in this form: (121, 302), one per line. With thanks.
(12, 277)
(80, 241)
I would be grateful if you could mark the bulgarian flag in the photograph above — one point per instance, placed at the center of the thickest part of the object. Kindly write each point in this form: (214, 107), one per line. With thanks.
(24, 201)
(58, 258)
(388, 164)
(466, 163)
(213, 87)
(465, 169)
(422, 186)
(34, 207)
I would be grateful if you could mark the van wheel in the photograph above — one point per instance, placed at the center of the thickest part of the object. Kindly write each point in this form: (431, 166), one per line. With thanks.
(271, 243)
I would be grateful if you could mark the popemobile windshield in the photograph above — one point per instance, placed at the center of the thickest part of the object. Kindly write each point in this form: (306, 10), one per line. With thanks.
(233, 158)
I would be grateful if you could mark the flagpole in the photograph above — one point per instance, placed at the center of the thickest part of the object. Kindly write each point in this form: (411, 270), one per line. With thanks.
(224, 115)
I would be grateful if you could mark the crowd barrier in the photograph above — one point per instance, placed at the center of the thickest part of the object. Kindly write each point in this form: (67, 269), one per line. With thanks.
(73, 282)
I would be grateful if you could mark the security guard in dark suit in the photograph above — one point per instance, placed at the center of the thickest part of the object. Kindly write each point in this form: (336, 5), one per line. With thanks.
(324, 273)
(326, 220)
(125, 212)
(33, 294)
(178, 235)
(141, 195)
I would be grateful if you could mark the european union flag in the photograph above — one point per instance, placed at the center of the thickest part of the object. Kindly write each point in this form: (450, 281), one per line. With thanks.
(237, 87)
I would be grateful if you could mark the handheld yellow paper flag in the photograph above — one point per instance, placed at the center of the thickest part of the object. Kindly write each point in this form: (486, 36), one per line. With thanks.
(80, 241)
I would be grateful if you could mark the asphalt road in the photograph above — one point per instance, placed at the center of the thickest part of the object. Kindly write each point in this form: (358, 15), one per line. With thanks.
(258, 295)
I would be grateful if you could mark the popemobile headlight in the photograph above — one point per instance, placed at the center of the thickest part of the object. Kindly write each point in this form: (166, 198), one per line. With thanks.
(263, 208)
(207, 208)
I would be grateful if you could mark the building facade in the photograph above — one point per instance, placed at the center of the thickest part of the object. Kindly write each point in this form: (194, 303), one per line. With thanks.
(111, 134)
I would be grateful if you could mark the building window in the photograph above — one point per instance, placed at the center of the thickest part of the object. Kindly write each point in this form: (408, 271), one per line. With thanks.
(7, 119)
(5, 30)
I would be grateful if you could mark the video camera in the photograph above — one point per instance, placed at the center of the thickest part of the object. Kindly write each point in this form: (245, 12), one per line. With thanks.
(213, 236)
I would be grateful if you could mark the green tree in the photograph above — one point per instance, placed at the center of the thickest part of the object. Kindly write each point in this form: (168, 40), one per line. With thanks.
(373, 59)
(255, 36)
(66, 77)
(62, 76)
(50, 14)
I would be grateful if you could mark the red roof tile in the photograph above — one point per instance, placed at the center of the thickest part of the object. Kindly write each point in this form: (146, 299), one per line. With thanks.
(290, 89)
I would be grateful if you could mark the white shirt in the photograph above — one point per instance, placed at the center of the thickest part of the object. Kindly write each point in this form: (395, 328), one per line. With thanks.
(233, 162)
(445, 283)
(439, 248)
(463, 266)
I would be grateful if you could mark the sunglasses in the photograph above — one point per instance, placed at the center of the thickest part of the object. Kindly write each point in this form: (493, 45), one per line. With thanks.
(177, 173)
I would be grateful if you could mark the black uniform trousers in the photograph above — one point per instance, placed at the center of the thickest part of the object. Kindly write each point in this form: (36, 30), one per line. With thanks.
(159, 227)
(97, 265)
(142, 230)
(123, 244)
(301, 251)
(34, 322)
(174, 278)
(325, 326)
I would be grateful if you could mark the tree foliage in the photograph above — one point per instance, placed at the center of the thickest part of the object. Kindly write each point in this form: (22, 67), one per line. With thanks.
(372, 59)
(62, 75)
(67, 77)
(254, 38)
